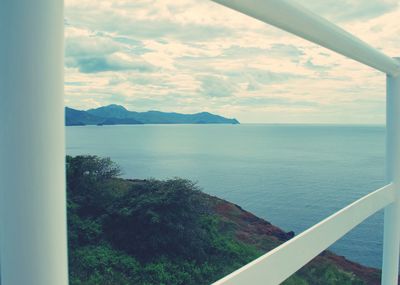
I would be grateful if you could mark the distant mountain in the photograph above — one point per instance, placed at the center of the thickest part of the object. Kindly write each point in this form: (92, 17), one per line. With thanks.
(119, 115)
(118, 121)
(80, 118)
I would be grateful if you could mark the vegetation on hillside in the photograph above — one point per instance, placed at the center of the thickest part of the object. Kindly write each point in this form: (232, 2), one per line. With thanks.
(152, 232)
(118, 115)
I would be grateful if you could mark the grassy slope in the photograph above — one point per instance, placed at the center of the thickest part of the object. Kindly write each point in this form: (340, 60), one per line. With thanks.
(251, 230)
(151, 232)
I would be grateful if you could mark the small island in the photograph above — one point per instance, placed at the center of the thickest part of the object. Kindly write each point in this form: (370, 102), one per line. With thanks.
(148, 232)
(119, 115)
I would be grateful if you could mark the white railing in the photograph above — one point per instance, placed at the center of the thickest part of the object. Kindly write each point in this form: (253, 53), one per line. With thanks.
(33, 240)
(33, 227)
(278, 264)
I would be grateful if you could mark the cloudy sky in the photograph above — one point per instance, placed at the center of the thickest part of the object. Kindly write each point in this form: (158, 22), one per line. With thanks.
(193, 55)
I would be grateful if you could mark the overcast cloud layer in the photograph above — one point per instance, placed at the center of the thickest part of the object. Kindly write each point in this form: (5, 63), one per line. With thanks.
(194, 55)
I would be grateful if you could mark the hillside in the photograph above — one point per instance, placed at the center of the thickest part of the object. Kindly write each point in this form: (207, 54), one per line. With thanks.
(79, 118)
(152, 232)
(261, 234)
(118, 115)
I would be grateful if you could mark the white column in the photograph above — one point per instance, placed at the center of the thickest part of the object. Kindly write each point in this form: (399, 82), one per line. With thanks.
(391, 241)
(32, 152)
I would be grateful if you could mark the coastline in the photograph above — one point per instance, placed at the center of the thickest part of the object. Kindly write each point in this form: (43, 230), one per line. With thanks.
(265, 236)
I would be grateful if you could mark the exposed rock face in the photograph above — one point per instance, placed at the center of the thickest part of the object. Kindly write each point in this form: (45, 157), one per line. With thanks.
(255, 231)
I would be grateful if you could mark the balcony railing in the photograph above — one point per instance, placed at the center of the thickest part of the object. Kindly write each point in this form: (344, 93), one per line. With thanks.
(33, 242)
(280, 263)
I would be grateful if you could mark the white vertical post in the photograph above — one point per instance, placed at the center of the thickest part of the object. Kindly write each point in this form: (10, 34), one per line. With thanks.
(33, 235)
(391, 240)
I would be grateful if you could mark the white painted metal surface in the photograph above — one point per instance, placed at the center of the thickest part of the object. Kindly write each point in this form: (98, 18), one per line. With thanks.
(292, 17)
(277, 265)
(280, 263)
(32, 152)
(391, 241)
(32, 175)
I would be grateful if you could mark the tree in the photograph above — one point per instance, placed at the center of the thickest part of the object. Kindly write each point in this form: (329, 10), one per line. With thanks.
(85, 171)
(86, 179)
(87, 195)
(160, 217)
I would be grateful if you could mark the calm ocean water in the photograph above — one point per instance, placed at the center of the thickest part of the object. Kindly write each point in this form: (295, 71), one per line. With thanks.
(291, 175)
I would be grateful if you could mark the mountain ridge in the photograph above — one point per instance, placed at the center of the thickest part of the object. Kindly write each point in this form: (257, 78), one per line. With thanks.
(118, 115)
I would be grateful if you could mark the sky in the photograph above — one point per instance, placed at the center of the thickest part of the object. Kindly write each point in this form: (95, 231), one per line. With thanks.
(191, 56)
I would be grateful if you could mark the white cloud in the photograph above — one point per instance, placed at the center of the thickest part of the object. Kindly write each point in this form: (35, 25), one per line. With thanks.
(195, 55)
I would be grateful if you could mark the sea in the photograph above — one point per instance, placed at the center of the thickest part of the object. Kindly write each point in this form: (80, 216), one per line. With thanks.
(291, 175)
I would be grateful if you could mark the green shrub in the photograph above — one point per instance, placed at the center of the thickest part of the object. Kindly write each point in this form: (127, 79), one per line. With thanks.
(151, 232)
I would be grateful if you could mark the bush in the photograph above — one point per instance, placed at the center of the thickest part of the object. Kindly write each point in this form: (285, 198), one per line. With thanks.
(151, 232)
(159, 217)
(102, 265)
(146, 232)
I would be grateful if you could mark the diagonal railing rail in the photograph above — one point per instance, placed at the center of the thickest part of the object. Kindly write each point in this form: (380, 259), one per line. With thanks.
(292, 255)
(294, 18)
(33, 240)
(278, 264)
